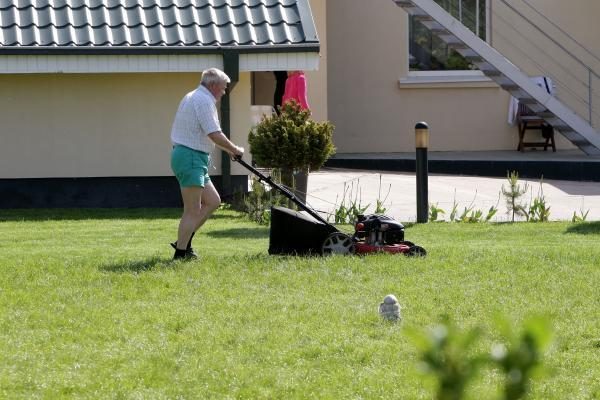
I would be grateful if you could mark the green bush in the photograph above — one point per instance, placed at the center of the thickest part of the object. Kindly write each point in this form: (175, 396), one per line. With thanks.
(291, 140)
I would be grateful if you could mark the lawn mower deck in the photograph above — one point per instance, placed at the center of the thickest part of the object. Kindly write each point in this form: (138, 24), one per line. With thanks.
(373, 234)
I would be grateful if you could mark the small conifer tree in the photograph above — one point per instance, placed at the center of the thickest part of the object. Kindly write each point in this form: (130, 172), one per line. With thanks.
(513, 193)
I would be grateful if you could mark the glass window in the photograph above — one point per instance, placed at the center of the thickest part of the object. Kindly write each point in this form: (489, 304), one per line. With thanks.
(429, 53)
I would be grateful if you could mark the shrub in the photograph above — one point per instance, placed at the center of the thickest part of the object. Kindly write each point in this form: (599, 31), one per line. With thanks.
(291, 141)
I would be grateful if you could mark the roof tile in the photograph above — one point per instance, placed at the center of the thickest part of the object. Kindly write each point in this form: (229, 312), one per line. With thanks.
(88, 23)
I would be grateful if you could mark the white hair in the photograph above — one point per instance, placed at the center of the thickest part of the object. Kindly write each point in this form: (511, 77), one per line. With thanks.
(214, 76)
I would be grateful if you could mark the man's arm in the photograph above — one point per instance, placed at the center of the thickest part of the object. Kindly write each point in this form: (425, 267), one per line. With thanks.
(225, 144)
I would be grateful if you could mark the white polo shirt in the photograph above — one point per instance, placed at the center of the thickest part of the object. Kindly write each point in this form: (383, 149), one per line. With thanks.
(196, 117)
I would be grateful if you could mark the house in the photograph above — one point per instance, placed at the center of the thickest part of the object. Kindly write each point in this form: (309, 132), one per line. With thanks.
(89, 89)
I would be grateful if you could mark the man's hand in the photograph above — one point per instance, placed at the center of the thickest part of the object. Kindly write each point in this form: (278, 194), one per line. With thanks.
(225, 144)
(237, 151)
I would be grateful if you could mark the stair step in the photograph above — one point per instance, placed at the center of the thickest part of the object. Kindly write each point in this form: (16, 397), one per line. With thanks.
(457, 45)
(491, 72)
(572, 136)
(473, 58)
(590, 150)
(509, 86)
(423, 17)
(452, 40)
(440, 32)
(562, 128)
(527, 100)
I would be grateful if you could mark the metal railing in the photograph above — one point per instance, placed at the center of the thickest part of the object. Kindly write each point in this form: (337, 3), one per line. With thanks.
(554, 55)
(536, 45)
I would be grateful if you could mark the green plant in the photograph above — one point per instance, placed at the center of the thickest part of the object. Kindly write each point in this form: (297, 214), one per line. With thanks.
(454, 210)
(379, 207)
(350, 208)
(291, 141)
(257, 203)
(469, 214)
(513, 193)
(582, 217)
(492, 211)
(472, 216)
(521, 357)
(538, 210)
(446, 353)
(457, 62)
(435, 212)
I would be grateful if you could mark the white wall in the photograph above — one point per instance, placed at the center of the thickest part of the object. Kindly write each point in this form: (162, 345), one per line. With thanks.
(98, 125)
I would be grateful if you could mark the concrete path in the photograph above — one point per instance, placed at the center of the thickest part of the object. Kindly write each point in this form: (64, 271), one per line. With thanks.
(326, 190)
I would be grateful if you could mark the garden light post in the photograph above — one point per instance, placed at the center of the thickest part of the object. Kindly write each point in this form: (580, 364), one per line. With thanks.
(422, 143)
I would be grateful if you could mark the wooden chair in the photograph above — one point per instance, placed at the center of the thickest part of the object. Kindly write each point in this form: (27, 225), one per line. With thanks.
(527, 121)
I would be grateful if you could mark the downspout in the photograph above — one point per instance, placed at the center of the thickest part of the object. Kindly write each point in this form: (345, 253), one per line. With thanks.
(231, 65)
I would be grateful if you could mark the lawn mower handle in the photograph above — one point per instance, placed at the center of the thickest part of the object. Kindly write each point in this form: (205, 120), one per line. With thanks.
(284, 191)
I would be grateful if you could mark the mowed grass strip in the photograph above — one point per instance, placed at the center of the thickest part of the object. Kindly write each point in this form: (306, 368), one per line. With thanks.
(91, 306)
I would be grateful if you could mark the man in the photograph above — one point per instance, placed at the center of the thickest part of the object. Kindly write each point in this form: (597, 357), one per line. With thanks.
(195, 132)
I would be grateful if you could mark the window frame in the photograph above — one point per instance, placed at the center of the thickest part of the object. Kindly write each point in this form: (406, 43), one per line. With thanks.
(429, 77)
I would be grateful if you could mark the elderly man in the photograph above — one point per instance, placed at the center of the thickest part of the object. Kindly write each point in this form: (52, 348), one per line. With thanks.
(195, 132)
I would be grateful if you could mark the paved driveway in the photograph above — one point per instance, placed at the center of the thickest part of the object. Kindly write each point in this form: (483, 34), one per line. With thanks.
(398, 191)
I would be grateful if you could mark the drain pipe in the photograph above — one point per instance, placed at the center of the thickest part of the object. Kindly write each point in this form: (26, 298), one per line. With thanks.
(231, 66)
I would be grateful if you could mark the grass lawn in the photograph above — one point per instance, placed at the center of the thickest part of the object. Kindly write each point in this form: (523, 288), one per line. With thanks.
(92, 307)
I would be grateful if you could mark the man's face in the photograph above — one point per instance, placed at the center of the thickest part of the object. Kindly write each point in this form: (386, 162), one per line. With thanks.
(218, 90)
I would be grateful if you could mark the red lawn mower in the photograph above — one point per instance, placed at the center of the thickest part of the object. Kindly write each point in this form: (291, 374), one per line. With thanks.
(296, 233)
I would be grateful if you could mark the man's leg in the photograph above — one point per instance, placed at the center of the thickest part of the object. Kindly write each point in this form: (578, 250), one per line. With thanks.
(210, 201)
(192, 215)
(198, 204)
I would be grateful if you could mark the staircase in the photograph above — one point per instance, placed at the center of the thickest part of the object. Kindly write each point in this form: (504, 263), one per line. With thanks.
(504, 73)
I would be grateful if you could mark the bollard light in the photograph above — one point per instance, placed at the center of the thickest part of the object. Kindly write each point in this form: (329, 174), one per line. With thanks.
(421, 144)
(422, 135)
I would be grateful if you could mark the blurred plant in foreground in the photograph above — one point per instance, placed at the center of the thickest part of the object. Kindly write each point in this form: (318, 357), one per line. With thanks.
(446, 353)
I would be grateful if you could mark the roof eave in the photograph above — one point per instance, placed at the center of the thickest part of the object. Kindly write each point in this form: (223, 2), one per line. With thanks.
(158, 50)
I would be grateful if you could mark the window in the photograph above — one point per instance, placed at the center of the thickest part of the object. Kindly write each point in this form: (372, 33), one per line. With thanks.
(429, 53)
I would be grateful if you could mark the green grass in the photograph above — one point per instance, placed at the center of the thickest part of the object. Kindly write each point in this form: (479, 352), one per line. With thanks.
(92, 307)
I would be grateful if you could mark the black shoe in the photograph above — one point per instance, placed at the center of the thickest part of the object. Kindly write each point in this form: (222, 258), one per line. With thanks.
(188, 253)
(185, 255)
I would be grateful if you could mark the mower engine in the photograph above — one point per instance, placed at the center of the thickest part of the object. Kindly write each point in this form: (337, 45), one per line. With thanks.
(378, 230)
(376, 233)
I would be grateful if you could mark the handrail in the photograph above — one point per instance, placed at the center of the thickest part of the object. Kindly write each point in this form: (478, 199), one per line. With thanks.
(578, 84)
(566, 70)
(590, 70)
(561, 30)
(550, 37)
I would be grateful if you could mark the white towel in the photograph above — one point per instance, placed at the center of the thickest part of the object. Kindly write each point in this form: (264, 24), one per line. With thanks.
(513, 105)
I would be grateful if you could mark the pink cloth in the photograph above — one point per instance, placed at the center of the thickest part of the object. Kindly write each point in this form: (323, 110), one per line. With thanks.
(295, 88)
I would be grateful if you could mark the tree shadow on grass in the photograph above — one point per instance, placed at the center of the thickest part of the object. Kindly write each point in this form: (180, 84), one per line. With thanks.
(139, 266)
(242, 233)
(585, 228)
(226, 216)
(78, 214)
(81, 214)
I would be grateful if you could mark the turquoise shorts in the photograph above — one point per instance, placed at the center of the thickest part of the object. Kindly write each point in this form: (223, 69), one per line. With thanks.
(190, 166)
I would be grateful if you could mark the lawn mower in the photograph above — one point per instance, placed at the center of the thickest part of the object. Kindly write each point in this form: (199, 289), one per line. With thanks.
(293, 232)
